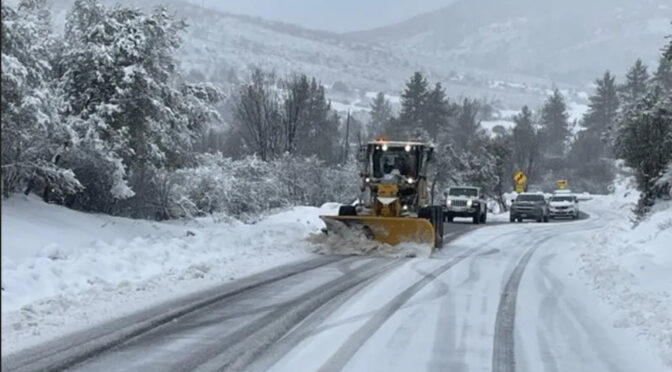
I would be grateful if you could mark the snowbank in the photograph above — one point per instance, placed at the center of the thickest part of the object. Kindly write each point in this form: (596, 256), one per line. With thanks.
(64, 270)
(631, 268)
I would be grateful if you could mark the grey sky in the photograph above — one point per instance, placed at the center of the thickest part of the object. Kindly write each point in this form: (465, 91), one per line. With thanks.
(331, 15)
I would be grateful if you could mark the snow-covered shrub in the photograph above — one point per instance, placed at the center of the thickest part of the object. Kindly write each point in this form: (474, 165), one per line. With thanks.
(251, 186)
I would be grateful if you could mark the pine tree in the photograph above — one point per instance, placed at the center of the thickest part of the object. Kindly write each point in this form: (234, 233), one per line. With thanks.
(554, 130)
(33, 136)
(525, 144)
(437, 111)
(644, 141)
(603, 107)
(464, 132)
(380, 115)
(663, 75)
(636, 84)
(413, 101)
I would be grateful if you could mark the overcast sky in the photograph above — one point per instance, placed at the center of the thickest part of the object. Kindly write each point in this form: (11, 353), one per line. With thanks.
(331, 15)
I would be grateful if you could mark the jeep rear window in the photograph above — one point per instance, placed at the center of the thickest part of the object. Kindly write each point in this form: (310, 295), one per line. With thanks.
(530, 198)
(463, 192)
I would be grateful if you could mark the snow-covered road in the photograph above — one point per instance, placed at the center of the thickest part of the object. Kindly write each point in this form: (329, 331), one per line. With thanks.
(501, 298)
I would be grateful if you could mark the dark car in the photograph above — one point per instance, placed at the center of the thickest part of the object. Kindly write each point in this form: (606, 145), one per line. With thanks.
(529, 207)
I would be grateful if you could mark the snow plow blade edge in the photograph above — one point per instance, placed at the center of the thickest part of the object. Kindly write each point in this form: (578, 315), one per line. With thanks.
(389, 230)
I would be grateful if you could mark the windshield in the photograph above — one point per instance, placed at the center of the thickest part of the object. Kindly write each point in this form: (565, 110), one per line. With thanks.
(462, 191)
(562, 199)
(530, 198)
(386, 162)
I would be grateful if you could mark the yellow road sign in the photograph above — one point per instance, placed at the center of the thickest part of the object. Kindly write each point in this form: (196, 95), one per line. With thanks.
(519, 177)
(561, 184)
(520, 187)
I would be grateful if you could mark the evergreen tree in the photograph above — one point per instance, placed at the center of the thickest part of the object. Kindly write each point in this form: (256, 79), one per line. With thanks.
(554, 130)
(663, 75)
(636, 84)
(380, 115)
(33, 136)
(413, 101)
(644, 141)
(119, 81)
(524, 143)
(603, 107)
(437, 111)
(465, 131)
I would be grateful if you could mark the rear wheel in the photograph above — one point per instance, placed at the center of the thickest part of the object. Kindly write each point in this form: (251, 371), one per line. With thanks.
(512, 219)
(545, 218)
(435, 216)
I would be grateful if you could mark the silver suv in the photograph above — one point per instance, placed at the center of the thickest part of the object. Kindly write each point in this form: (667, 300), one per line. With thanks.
(465, 201)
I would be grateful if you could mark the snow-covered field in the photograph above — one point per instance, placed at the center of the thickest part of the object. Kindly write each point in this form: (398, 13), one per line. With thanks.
(64, 270)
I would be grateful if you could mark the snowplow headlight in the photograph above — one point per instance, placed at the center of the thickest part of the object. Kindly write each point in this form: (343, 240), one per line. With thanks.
(367, 180)
(410, 180)
(405, 207)
(384, 147)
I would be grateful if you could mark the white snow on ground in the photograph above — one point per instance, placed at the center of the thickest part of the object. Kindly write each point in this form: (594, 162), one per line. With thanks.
(631, 268)
(64, 270)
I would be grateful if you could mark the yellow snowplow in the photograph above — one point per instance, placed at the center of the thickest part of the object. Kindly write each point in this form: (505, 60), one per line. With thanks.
(394, 206)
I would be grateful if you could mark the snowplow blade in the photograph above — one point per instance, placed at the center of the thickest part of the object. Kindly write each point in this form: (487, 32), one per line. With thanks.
(389, 230)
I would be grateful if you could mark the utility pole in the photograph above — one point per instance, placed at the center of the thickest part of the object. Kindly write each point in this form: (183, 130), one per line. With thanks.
(347, 135)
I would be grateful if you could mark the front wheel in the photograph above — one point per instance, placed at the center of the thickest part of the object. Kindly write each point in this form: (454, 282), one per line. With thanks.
(484, 217)
(546, 218)
(512, 219)
(477, 219)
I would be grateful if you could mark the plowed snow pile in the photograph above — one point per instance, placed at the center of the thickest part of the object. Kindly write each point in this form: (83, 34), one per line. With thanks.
(631, 267)
(356, 243)
(64, 270)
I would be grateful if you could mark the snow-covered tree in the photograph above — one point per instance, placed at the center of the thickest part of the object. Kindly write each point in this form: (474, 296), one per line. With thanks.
(413, 101)
(554, 130)
(602, 114)
(436, 111)
(644, 141)
(380, 115)
(33, 137)
(525, 143)
(636, 84)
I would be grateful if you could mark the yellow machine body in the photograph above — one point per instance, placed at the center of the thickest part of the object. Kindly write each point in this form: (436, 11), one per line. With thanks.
(386, 219)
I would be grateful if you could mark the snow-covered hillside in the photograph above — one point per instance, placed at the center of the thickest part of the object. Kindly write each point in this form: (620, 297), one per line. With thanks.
(64, 270)
(571, 40)
(630, 267)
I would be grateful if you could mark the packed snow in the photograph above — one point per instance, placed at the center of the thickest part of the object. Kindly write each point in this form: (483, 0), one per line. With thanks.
(64, 270)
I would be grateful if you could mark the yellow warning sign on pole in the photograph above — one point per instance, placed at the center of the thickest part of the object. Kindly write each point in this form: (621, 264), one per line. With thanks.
(519, 179)
(561, 184)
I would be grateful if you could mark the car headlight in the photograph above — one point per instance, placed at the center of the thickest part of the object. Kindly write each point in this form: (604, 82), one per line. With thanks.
(469, 203)
(410, 180)
(448, 202)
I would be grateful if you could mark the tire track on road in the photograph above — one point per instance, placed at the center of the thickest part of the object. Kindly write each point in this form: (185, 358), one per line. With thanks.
(237, 351)
(503, 355)
(73, 350)
(343, 355)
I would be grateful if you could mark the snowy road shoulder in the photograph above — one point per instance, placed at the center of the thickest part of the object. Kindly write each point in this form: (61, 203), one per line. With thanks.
(64, 270)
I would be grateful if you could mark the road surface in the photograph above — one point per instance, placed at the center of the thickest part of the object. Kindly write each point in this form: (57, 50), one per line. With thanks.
(499, 297)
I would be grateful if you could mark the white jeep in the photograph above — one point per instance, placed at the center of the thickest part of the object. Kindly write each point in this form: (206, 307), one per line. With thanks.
(465, 201)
